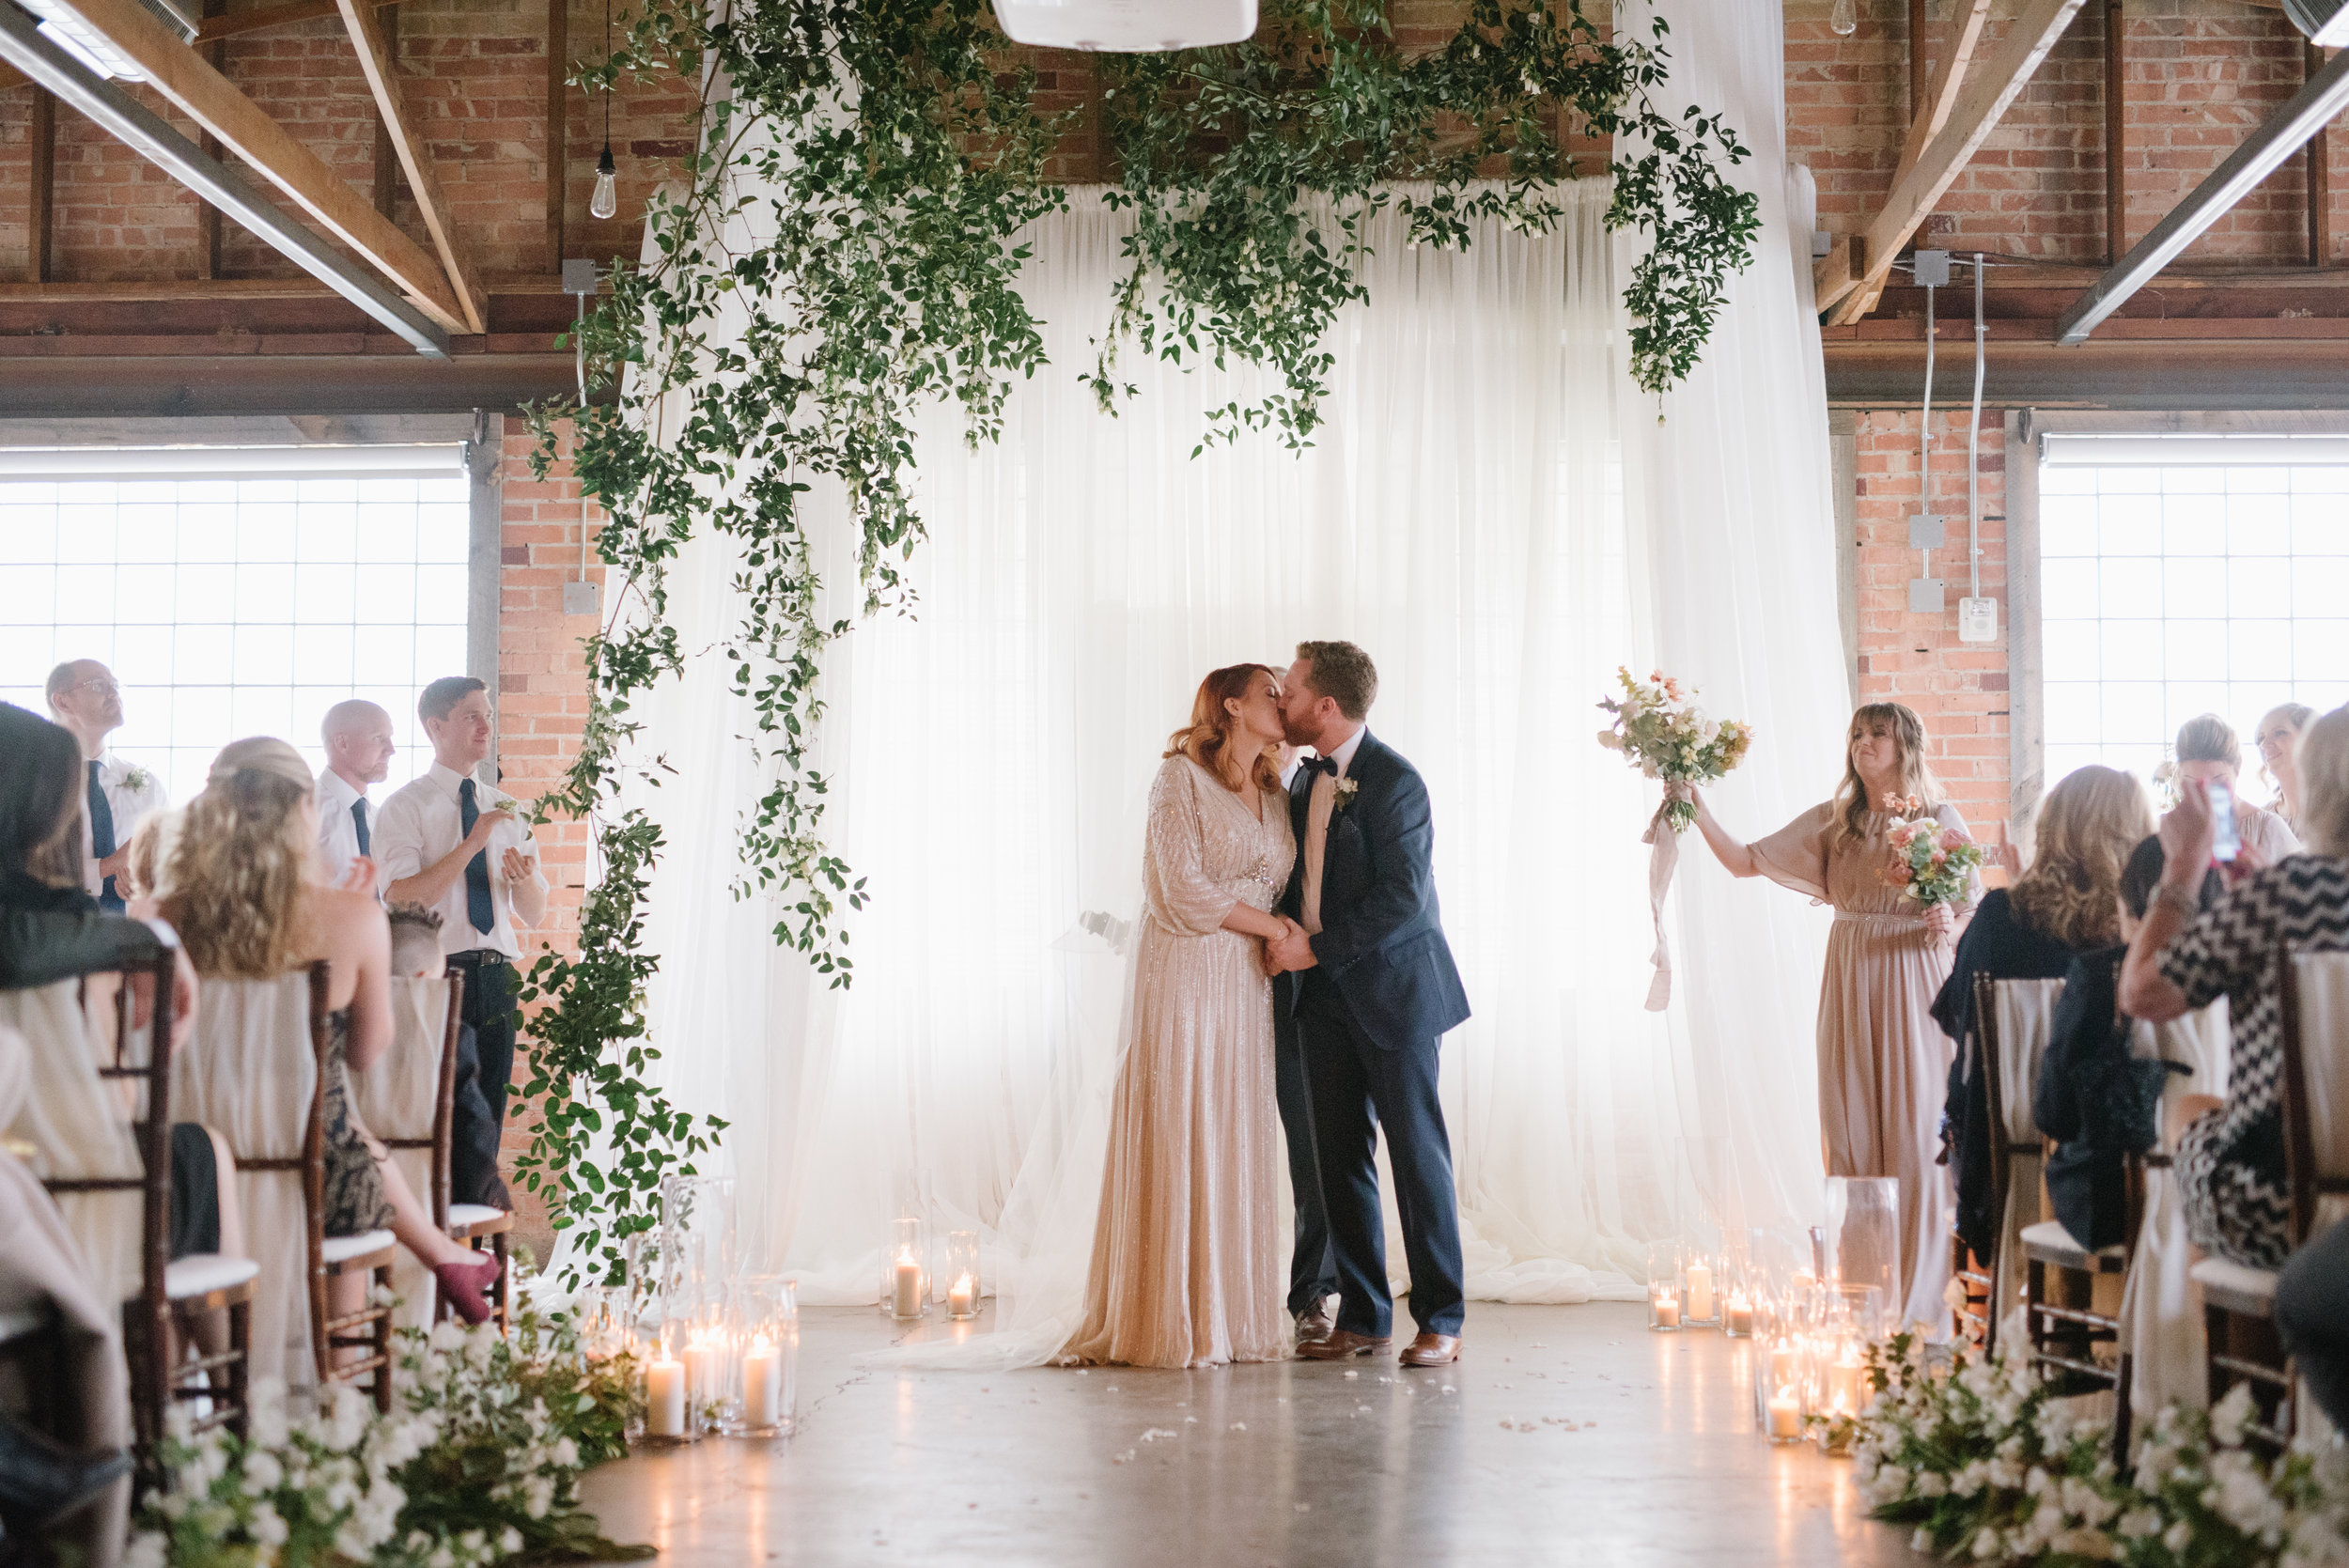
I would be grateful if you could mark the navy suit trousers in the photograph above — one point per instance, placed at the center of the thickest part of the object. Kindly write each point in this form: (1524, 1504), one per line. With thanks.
(1312, 1267)
(1357, 1088)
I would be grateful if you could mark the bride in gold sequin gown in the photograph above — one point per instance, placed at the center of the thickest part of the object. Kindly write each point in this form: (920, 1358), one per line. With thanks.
(1189, 1260)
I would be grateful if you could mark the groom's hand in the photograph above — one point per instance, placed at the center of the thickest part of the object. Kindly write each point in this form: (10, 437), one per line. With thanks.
(1292, 950)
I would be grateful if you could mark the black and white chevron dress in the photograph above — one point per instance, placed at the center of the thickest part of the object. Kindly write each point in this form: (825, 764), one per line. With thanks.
(2230, 1162)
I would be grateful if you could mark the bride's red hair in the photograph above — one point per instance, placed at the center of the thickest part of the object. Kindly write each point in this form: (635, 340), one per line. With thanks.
(1207, 739)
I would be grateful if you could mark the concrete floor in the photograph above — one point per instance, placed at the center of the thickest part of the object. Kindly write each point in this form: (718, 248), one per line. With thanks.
(1566, 1435)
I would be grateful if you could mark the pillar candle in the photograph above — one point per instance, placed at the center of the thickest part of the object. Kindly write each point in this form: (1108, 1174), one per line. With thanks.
(762, 1385)
(664, 1399)
(1700, 1293)
(906, 1299)
(1740, 1315)
(1782, 1367)
(705, 1363)
(1666, 1310)
(963, 1298)
(1843, 1386)
(1785, 1414)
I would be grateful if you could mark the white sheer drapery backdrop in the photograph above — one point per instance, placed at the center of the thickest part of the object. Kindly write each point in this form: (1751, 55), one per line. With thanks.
(1493, 511)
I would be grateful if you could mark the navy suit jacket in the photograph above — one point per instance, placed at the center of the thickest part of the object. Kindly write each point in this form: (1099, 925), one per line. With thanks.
(1381, 942)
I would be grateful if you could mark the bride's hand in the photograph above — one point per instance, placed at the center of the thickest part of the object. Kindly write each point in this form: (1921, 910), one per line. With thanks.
(1272, 964)
(1682, 790)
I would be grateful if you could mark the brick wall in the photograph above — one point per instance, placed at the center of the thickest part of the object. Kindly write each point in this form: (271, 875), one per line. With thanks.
(1958, 689)
(2199, 74)
(542, 696)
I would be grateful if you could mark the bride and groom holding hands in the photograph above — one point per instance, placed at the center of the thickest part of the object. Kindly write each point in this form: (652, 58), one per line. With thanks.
(1292, 981)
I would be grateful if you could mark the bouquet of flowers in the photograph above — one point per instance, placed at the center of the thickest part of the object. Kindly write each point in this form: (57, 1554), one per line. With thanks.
(1665, 736)
(1929, 861)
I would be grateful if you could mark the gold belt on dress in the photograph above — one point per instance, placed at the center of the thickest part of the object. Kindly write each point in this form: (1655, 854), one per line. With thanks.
(1879, 921)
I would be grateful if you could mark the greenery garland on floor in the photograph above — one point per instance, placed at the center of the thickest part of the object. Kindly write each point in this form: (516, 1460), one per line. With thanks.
(793, 336)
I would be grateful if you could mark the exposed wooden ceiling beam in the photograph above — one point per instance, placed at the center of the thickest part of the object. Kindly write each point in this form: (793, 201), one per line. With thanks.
(1981, 103)
(269, 16)
(1933, 113)
(175, 69)
(112, 107)
(2304, 113)
(415, 159)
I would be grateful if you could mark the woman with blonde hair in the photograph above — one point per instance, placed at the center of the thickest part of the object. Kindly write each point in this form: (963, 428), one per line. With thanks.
(2230, 1160)
(1883, 1064)
(1188, 1264)
(2278, 739)
(240, 886)
(2065, 904)
(2208, 752)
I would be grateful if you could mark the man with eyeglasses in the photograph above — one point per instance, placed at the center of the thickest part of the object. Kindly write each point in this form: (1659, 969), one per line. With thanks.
(83, 697)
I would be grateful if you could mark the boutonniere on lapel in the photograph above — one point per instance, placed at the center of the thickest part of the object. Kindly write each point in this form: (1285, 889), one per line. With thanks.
(137, 778)
(1345, 788)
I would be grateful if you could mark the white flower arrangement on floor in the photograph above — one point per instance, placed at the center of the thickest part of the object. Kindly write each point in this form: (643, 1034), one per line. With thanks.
(1988, 1467)
(476, 1463)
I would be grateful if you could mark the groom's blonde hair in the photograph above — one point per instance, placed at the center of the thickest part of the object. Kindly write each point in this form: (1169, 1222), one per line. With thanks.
(1345, 675)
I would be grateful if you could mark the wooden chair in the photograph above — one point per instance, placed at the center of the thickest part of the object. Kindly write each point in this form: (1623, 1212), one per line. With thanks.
(2312, 1101)
(220, 1079)
(2009, 1062)
(169, 1291)
(470, 1223)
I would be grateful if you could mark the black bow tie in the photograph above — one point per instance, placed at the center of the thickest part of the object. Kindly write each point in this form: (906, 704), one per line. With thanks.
(1320, 765)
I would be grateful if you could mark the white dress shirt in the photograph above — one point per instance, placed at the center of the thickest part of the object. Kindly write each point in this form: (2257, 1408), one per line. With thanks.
(420, 824)
(339, 835)
(1318, 810)
(131, 803)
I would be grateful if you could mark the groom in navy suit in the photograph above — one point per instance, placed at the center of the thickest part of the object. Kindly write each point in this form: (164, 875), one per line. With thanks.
(1373, 988)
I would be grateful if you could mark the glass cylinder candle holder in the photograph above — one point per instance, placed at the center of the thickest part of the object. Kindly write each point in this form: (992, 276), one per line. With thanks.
(1703, 1281)
(905, 1270)
(962, 1275)
(1665, 1303)
(713, 1367)
(768, 1329)
(1862, 1234)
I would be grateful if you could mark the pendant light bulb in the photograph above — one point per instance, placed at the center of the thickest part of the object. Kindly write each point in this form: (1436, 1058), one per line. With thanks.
(1844, 21)
(607, 198)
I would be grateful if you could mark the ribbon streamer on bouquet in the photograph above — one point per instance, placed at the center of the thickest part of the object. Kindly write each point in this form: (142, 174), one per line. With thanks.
(1660, 880)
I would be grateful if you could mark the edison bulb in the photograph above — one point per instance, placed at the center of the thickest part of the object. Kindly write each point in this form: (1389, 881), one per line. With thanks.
(1845, 20)
(607, 198)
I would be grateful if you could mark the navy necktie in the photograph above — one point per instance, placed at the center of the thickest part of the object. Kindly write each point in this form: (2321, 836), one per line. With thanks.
(359, 820)
(477, 906)
(101, 840)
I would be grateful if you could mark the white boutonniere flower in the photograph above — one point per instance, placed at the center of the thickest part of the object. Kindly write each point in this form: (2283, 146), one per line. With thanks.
(138, 778)
(1345, 794)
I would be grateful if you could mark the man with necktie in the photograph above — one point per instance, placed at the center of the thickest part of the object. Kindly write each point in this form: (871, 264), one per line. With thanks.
(84, 698)
(359, 747)
(456, 845)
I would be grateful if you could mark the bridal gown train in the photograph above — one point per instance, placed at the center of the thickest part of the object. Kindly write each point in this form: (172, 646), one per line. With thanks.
(1190, 1259)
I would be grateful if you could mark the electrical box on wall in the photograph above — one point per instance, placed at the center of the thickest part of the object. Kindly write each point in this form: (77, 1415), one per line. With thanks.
(1978, 620)
(586, 599)
(1924, 596)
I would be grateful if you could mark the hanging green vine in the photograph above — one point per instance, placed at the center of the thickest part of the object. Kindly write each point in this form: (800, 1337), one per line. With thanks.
(845, 249)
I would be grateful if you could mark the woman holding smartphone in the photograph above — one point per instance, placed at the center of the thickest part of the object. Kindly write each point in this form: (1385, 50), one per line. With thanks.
(1883, 1063)
(2209, 755)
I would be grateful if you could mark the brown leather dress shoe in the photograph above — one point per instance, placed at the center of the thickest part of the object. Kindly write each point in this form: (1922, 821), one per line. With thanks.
(1315, 1323)
(1341, 1344)
(1431, 1350)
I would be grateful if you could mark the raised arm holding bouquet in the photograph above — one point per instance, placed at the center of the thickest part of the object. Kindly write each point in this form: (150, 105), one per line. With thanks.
(1883, 1061)
(1665, 736)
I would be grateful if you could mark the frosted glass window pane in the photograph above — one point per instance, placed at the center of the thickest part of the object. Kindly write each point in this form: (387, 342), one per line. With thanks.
(329, 531)
(2194, 587)
(2320, 524)
(440, 595)
(265, 593)
(2132, 710)
(444, 530)
(441, 649)
(2324, 480)
(2068, 650)
(147, 532)
(2320, 585)
(27, 533)
(145, 592)
(323, 593)
(195, 711)
(207, 595)
(2132, 650)
(2257, 479)
(2067, 481)
(2259, 650)
(2259, 585)
(2195, 650)
(204, 653)
(2258, 526)
(385, 594)
(2131, 585)
(387, 533)
(2129, 481)
(86, 593)
(2131, 526)
(28, 649)
(2194, 526)
(144, 647)
(2062, 759)
(2068, 589)
(2067, 525)
(261, 710)
(2074, 712)
(266, 532)
(264, 653)
(323, 655)
(387, 654)
(208, 530)
(2320, 649)
(31, 598)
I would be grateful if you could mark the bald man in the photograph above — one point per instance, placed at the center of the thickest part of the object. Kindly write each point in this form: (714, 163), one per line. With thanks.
(359, 748)
(86, 700)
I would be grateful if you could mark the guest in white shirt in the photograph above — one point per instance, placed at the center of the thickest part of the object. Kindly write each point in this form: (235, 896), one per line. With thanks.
(456, 845)
(359, 748)
(84, 698)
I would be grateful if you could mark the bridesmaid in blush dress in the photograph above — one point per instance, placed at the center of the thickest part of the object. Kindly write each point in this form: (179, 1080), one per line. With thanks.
(1883, 1061)
(1189, 1260)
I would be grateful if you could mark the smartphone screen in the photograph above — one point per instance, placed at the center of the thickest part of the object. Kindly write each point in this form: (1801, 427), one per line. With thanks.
(2227, 842)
